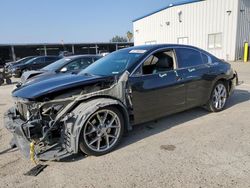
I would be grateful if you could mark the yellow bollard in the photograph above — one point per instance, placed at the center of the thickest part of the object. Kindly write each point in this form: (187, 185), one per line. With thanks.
(246, 52)
(32, 152)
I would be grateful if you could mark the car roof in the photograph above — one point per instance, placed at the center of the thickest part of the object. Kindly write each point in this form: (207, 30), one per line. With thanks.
(157, 46)
(46, 56)
(85, 55)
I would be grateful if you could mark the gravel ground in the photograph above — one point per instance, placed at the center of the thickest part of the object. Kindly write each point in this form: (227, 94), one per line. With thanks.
(190, 149)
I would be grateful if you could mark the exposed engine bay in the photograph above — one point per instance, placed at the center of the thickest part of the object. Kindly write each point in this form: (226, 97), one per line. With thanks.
(47, 125)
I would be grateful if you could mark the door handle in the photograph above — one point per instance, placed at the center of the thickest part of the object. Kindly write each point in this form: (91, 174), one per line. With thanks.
(163, 75)
(191, 70)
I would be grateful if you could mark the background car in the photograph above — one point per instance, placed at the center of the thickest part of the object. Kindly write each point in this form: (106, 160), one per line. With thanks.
(71, 64)
(20, 61)
(32, 64)
(1, 63)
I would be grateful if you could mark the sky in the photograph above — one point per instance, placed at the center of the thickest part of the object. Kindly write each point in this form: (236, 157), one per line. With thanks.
(49, 21)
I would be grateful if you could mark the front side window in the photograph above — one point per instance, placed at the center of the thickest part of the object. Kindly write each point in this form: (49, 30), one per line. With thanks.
(158, 63)
(79, 64)
(74, 65)
(188, 57)
(85, 62)
(38, 60)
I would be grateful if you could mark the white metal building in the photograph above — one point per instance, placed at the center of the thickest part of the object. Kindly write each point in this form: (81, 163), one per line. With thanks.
(218, 26)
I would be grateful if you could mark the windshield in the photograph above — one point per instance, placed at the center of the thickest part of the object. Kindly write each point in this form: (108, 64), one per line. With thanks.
(31, 60)
(56, 65)
(23, 60)
(114, 63)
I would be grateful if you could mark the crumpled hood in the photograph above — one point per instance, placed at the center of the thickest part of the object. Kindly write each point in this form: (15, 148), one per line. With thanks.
(39, 88)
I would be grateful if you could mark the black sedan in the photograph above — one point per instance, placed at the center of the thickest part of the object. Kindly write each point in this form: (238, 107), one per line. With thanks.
(90, 111)
(18, 62)
(71, 64)
(2, 63)
(32, 64)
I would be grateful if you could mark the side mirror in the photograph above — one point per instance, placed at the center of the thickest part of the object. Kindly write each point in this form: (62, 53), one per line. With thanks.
(64, 69)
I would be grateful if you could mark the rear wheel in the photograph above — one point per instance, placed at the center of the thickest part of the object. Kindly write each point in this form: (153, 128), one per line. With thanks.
(102, 131)
(218, 97)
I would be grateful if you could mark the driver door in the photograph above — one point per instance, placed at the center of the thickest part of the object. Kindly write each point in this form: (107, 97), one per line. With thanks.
(157, 90)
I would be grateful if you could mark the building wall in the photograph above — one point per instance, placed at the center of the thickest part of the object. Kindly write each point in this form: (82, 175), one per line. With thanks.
(243, 31)
(198, 20)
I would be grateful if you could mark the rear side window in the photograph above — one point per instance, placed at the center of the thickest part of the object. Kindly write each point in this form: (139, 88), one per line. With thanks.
(206, 59)
(188, 57)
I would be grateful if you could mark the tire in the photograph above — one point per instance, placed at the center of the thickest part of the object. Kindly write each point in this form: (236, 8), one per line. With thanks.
(18, 75)
(101, 135)
(8, 81)
(218, 97)
(1, 81)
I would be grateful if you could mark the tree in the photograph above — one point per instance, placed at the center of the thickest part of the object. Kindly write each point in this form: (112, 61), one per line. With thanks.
(119, 39)
(129, 36)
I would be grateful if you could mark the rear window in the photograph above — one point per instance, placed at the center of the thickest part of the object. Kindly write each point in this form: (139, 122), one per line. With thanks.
(188, 57)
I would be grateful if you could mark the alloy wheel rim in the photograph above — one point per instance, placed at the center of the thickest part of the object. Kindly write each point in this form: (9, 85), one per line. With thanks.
(219, 96)
(102, 130)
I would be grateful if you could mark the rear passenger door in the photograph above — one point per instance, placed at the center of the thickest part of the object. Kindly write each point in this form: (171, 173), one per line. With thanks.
(195, 72)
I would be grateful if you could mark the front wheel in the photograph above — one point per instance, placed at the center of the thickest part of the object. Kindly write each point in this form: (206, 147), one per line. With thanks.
(102, 131)
(1, 81)
(218, 97)
(8, 81)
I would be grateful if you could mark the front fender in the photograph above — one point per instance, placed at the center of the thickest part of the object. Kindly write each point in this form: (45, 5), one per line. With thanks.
(81, 113)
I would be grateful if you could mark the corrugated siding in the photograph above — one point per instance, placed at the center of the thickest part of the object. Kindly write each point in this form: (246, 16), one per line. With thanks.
(198, 21)
(243, 31)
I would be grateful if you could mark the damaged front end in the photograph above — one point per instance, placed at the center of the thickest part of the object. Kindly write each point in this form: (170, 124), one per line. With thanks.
(33, 127)
(43, 130)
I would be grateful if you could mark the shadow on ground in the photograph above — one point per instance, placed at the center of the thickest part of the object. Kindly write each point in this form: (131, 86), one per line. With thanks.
(142, 131)
(8, 150)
